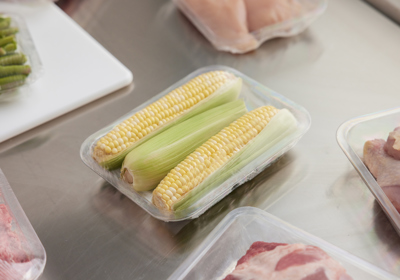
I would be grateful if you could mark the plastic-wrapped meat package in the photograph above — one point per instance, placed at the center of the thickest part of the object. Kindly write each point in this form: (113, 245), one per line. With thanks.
(240, 26)
(383, 160)
(22, 256)
(279, 261)
(262, 13)
(226, 20)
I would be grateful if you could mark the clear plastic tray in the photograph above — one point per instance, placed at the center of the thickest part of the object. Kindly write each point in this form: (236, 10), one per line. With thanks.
(351, 137)
(255, 95)
(28, 261)
(310, 11)
(26, 46)
(218, 254)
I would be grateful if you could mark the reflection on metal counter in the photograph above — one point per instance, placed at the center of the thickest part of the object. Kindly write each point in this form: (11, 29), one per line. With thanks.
(391, 8)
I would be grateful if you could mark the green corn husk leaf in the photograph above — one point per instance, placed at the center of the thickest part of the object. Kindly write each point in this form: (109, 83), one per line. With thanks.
(226, 93)
(145, 166)
(280, 126)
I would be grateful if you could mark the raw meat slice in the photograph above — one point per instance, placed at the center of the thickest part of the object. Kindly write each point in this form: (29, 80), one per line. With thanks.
(257, 248)
(392, 147)
(384, 168)
(10, 243)
(226, 19)
(14, 261)
(261, 13)
(277, 261)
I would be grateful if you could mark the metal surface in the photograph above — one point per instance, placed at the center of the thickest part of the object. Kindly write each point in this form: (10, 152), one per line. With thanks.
(391, 8)
(346, 64)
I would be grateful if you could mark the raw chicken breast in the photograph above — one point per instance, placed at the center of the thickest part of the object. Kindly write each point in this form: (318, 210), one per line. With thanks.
(261, 13)
(278, 261)
(226, 19)
(392, 147)
(384, 168)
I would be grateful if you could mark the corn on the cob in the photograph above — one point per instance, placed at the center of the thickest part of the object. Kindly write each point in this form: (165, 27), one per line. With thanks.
(222, 156)
(146, 165)
(198, 95)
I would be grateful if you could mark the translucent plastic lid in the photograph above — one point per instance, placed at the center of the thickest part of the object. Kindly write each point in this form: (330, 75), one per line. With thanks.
(352, 136)
(22, 255)
(218, 254)
(254, 95)
(240, 26)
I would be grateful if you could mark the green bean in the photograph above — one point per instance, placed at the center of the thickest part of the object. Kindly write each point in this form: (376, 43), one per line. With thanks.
(11, 81)
(8, 31)
(14, 70)
(7, 40)
(13, 59)
(4, 22)
(10, 47)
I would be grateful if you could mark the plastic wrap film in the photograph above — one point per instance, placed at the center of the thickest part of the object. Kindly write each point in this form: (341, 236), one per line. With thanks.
(352, 136)
(20, 64)
(240, 26)
(254, 96)
(218, 254)
(22, 255)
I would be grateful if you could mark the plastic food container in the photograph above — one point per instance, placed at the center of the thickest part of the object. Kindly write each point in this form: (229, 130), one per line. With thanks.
(218, 254)
(351, 137)
(26, 46)
(22, 255)
(308, 11)
(255, 95)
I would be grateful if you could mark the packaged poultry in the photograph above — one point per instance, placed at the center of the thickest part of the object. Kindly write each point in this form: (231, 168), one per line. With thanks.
(383, 161)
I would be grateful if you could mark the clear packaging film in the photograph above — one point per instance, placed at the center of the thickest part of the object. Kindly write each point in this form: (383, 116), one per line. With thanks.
(240, 26)
(22, 255)
(20, 66)
(352, 136)
(218, 254)
(238, 171)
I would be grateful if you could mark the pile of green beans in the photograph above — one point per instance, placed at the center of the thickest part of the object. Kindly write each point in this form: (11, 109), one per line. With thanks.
(13, 72)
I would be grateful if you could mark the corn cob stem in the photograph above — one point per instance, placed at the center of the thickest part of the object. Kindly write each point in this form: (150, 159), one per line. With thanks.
(146, 165)
(13, 59)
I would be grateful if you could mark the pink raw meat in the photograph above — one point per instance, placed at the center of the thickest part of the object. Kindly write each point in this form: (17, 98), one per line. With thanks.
(277, 261)
(226, 19)
(14, 261)
(10, 243)
(384, 168)
(261, 13)
(392, 147)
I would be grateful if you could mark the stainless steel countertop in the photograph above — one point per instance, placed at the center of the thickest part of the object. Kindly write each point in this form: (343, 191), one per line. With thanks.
(345, 65)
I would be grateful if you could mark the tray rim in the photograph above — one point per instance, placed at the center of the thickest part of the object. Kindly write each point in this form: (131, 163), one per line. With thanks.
(196, 255)
(361, 168)
(304, 121)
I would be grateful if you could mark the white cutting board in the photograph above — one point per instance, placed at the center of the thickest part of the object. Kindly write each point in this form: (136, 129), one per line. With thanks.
(77, 70)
